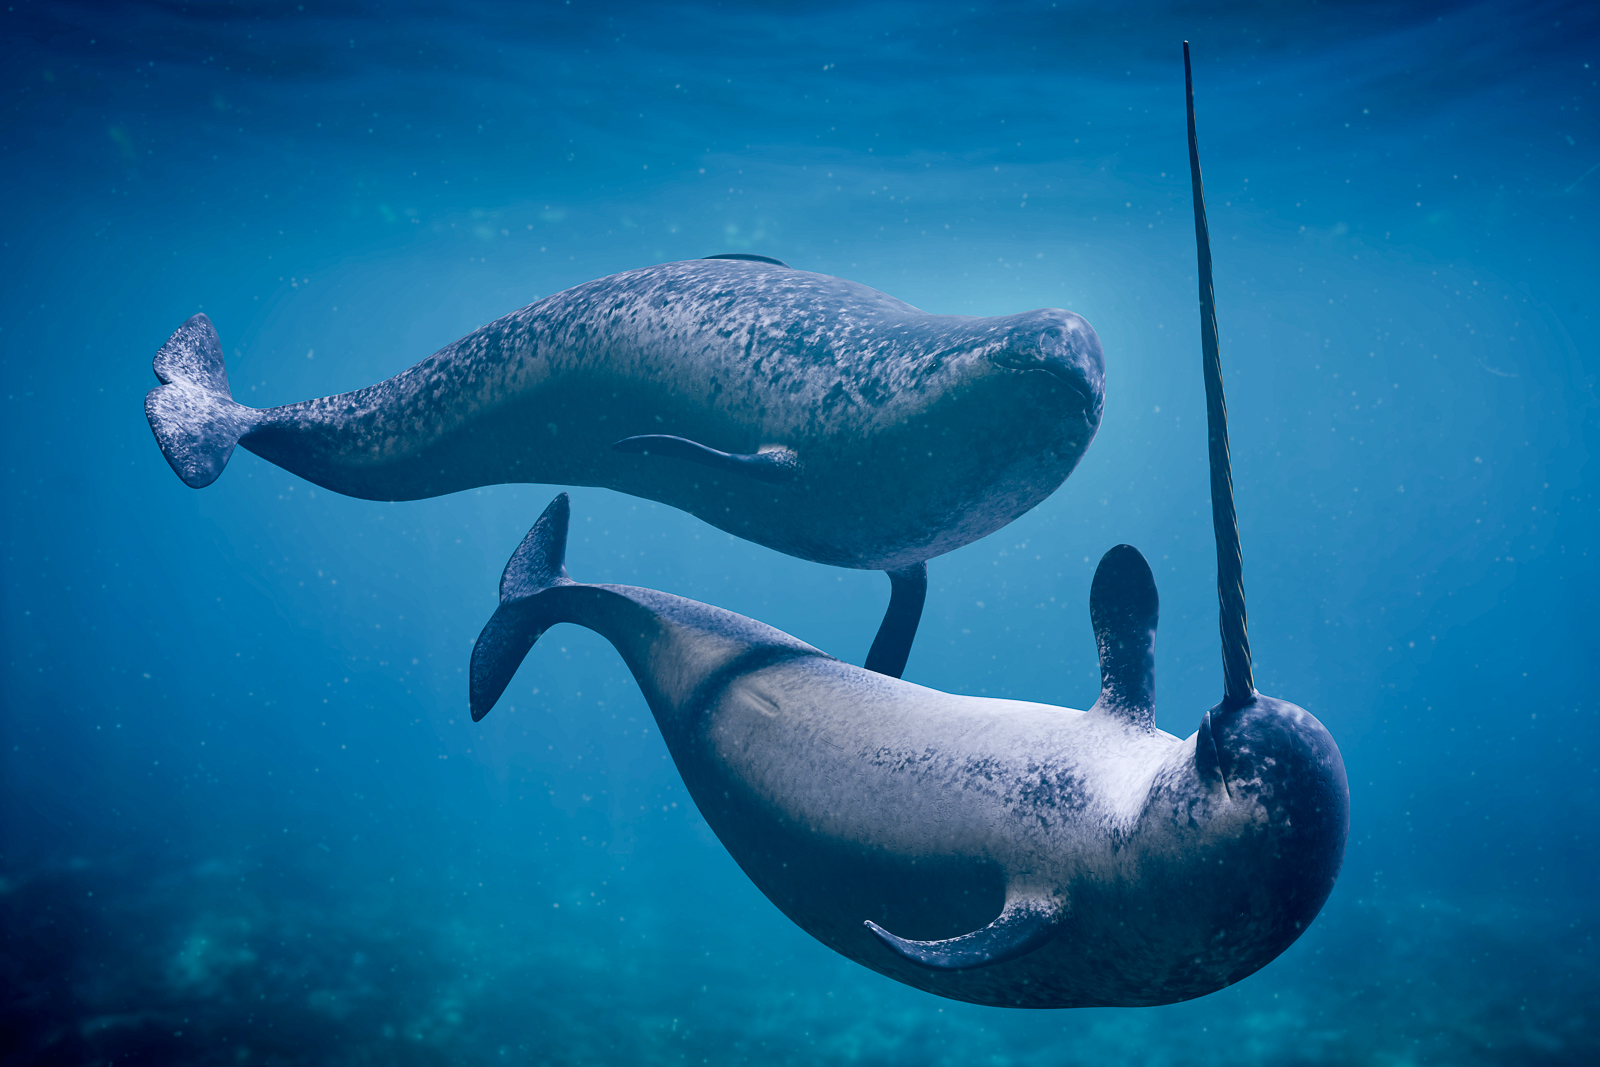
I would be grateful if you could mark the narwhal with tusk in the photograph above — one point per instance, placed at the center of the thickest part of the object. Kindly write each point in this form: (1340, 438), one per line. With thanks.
(992, 851)
(807, 413)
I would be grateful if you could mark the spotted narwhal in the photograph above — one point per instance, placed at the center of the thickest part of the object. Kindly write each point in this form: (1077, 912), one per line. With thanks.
(988, 850)
(807, 413)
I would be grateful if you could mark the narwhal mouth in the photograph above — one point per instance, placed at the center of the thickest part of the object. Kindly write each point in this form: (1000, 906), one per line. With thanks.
(1072, 380)
(1068, 351)
(1089, 399)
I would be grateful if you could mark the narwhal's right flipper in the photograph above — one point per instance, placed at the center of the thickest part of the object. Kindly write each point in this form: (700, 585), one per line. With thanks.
(192, 412)
(1027, 922)
(908, 589)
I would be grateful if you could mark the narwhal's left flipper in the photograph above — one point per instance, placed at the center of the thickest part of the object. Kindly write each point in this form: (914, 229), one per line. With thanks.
(908, 589)
(1026, 923)
(1124, 607)
(775, 464)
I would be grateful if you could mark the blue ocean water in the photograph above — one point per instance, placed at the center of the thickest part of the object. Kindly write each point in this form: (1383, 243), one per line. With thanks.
(245, 816)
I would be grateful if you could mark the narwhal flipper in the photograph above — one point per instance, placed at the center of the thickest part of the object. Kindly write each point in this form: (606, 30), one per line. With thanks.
(908, 589)
(1027, 922)
(775, 464)
(1124, 608)
(193, 414)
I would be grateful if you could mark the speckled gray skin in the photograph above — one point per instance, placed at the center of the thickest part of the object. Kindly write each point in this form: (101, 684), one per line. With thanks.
(875, 436)
(1040, 856)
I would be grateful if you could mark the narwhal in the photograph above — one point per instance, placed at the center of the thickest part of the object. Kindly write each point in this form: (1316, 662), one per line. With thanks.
(993, 851)
(807, 413)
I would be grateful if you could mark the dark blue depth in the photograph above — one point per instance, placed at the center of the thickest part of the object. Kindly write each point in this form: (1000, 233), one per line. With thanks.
(245, 815)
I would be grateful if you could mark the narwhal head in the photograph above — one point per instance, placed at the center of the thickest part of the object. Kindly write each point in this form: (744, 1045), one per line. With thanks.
(1264, 759)
(990, 416)
(1057, 343)
(1275, 758)
(1243, 830)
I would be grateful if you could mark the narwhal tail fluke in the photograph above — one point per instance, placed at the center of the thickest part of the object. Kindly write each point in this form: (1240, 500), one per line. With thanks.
(538, 565)
(192, 413)
(671, 644)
